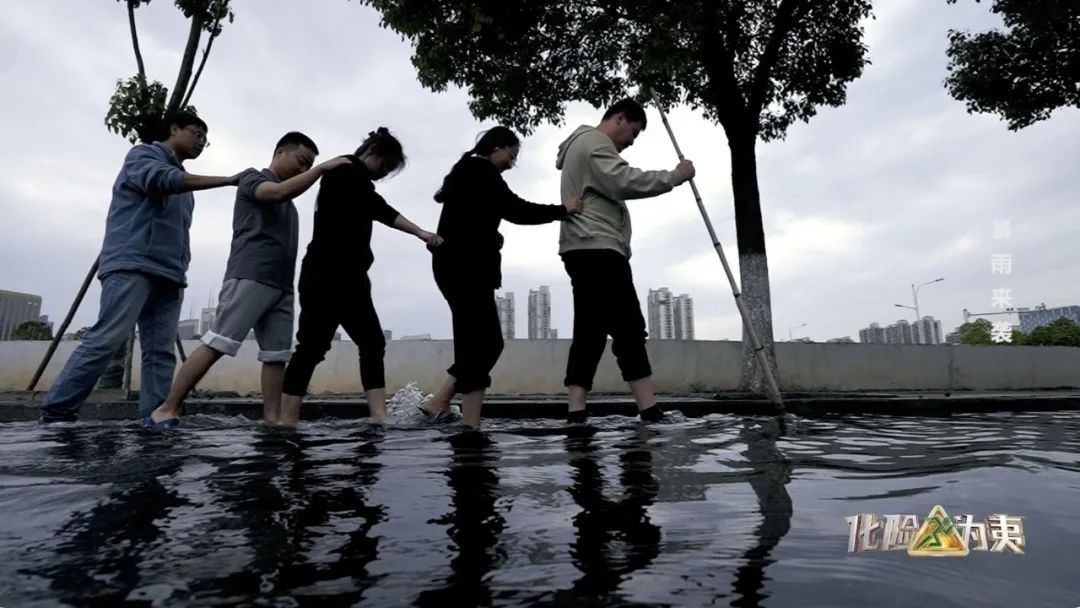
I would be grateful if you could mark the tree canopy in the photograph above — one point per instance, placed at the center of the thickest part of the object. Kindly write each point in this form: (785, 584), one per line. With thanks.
(753, 66)
(1023, 72)
(32, 330)
(138, 104)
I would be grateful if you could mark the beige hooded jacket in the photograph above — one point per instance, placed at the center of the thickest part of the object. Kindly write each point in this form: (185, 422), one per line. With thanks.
(592, 169)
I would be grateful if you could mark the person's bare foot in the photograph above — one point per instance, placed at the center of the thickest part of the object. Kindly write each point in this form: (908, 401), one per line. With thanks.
(163, 413)
(435, 407)
(379, 414)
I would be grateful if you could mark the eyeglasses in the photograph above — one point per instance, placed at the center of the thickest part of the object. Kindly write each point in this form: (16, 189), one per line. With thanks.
(199, 135)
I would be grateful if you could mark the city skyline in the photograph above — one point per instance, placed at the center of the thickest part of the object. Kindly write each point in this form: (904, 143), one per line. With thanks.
(925, 331)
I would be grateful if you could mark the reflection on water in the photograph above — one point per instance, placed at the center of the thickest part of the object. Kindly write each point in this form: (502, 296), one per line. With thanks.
(722, 510)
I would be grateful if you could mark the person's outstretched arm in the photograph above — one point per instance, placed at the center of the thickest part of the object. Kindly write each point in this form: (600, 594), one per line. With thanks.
(275, 192)
(517, 210)
(149, 172)
(193, 182)
(623, 181)
(386, 214)
(404, 225)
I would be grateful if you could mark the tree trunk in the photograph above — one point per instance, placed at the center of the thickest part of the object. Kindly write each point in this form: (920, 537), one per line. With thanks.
(184, 76)
(753, 266)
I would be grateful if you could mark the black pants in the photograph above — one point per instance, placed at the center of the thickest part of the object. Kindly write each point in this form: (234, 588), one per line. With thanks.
(605, 304)
(478, 340)
(324, 305)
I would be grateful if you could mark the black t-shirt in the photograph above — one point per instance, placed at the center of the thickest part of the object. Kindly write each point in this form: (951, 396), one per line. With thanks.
(345, 208)
(475, 201)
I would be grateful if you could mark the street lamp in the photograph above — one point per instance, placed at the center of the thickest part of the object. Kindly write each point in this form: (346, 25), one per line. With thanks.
(915, 296)
(790, 329)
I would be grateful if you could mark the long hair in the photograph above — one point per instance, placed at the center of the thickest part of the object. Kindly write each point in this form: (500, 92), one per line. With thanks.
(383, 144)
(495, 137)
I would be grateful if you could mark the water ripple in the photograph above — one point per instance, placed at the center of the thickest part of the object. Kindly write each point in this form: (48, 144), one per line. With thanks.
(720, 510)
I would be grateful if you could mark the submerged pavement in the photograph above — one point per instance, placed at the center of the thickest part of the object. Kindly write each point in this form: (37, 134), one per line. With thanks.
(118, 405)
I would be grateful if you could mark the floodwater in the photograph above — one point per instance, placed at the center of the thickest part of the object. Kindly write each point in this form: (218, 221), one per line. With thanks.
(714, 511)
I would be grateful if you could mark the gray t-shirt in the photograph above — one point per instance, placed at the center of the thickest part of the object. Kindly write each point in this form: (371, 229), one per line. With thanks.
(265, 235)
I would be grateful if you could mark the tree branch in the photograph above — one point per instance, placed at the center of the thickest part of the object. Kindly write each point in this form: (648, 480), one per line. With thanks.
(718, 58)
(782, 24)
(184, 76)
(736, 10)
(135, 37)
(206, 53)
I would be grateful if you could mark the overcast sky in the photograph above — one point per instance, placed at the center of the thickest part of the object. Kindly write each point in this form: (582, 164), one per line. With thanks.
(899, 186)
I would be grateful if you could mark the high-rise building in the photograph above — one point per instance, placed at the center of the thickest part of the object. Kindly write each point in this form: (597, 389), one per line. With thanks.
(206, 320)
(661, 320)
(15, 309)
(927, 331)
(670, 317)
(388, 335)
(505, 305)
(45, 319)
(540, 314)
(682, 310)
(187, 329)
(900, 332)
(1042, 315)
(875, 334)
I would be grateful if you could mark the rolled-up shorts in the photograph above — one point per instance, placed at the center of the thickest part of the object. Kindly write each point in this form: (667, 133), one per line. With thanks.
(245, 305)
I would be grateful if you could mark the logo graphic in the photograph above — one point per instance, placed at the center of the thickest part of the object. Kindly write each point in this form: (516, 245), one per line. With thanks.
(939, 535)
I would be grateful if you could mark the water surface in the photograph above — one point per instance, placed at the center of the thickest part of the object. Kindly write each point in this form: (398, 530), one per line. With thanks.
(721, 510)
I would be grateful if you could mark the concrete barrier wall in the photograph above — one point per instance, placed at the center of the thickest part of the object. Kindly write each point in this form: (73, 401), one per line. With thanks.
(537, 367)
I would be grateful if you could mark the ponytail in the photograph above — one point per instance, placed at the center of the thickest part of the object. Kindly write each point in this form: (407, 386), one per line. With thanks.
(383, 144)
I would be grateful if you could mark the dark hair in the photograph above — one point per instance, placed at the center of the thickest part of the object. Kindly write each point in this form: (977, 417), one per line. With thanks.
(183, 119)
(296, 138)
(495, 137)
(160, 129)
(631, 109)
(384, 145)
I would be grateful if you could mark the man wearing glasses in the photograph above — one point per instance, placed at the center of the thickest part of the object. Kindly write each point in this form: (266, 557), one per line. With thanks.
(258, 289)
(143, 266)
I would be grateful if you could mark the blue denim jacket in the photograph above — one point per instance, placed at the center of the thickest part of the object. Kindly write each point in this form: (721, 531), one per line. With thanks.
(149, 217)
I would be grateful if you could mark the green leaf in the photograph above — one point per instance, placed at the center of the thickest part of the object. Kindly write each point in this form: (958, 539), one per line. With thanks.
(1023, 72)
(136, 109)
